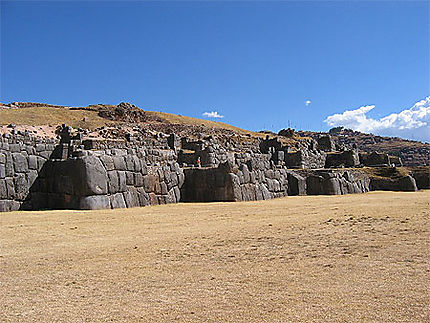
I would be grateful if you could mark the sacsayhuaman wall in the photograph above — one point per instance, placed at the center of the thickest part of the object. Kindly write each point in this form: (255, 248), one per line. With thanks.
(71, 173)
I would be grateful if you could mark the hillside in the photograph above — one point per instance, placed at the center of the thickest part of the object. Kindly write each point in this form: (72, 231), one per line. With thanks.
(95, 116)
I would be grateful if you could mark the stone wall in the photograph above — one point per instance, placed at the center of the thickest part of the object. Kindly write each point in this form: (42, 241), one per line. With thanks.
(335, 182)
(22, 160)
(125, 179)
(263, 181)
(40, 173)
(374, 159)
(405, 183)
(347, 158)
(421, 176)
(305, 159)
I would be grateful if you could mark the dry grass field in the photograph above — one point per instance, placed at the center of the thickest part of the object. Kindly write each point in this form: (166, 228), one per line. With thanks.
(353, 258)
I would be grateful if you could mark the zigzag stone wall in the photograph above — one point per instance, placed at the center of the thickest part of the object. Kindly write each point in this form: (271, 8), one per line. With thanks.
(38, 173)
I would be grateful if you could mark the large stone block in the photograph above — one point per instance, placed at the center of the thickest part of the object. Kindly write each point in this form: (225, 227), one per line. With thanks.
(129, 163)
(94, 202)
(331, 186)
(265, 192)
(149, 182)
(129, 178)
(3, 189)
(131, 198)
(245, 172)
(143, 197)
(122, 181)
(314, 185)
(9, 169)
(137, 165)
(405, 183)
(296, 184)
(32, 162)
(422, 177)
(117, 201)
(177, 192)
(107, 162)
(21, 186)
(2, 171)
(93, 176)
(138, 179)
(9, 205)
(113, 182)
(119, 162)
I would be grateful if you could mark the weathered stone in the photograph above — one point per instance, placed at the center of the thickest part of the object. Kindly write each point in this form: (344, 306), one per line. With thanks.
(119, 162)
(164, 189)
(143, 197)
(20, 162)
(122, 181)
(9, 205)
(177, 192)
(137, 165)
(265, 192)
(14, 148)
(113, 182)
(160, 173)
(171, 198)
(107, 162)
(3, 189)
(405, 183)
(2, 171)
(314, 185)
(94, 202)
(93, 176)
(325, 143)
(21, 187)
(374, 159)
(129, 163)
(9, 171)
(153, 200)
(131, 198)
(129, 177)
(138, 179)
(245, 172)
(117, 201)
(234, 193)
(174, 179)
(422, 177)
(32, 177)
(331, 186)
(32, 162)
(149, 182)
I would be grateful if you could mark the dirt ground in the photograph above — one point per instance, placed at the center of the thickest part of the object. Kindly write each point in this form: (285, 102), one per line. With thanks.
(353, 258)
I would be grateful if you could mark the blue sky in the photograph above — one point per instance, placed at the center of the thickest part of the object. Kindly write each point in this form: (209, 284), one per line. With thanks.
(255, 63)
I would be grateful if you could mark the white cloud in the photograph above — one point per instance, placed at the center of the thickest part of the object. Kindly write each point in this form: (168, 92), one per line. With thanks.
(308, 102)
(412, 123)
(212, 114)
